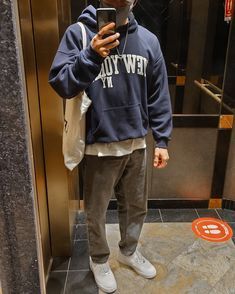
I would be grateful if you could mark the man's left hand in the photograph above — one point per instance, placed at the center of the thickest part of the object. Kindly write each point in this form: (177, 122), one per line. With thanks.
(160, 157)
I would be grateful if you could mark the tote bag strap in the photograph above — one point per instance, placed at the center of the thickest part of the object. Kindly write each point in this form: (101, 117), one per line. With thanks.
(84, 38)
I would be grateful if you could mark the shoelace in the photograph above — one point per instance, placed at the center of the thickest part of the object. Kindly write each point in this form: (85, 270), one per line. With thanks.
(139, 258)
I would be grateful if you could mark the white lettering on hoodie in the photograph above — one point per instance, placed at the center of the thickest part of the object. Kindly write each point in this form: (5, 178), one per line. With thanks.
(134, 64)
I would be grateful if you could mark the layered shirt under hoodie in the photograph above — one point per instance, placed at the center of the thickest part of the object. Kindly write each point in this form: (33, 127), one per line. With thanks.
(129, 93)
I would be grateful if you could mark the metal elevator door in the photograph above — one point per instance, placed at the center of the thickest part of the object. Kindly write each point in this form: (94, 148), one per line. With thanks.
(42, 23)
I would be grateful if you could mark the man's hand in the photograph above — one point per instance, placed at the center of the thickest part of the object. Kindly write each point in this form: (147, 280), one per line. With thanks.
(103, 46)
(160, 157)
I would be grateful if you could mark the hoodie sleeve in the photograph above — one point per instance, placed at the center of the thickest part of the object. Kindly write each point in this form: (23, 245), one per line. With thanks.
(73, 69)
(159, 103)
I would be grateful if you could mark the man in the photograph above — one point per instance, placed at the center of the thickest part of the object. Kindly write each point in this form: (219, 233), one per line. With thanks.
(125, 77)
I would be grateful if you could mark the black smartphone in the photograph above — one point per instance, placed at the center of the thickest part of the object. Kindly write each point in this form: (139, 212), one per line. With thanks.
(105, 16)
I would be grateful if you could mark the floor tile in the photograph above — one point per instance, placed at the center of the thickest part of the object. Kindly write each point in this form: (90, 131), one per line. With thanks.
(226, 284)
(184, 262)
(232, 225)
(112, 216)
(81, 232)
(227, 215)
(80, 257)
(178, 215)
(60, 263)
(207, 213)
(74, 230)
(153, 215)
(55, 283)
(81, 282)
(81, 217)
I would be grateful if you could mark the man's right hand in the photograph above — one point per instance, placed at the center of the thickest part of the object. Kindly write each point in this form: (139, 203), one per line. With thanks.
(103, 46)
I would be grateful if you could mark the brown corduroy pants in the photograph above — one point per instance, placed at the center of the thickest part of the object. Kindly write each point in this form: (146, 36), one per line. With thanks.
(126, 178)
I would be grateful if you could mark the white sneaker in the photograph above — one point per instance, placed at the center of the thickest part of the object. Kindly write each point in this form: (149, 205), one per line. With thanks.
(139, 263)
(103, 276)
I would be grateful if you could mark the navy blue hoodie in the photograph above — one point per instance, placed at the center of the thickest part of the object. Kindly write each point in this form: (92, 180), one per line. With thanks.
(128, 94)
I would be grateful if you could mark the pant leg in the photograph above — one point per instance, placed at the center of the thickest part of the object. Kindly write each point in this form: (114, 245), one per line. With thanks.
(100, 176)
(131, 193)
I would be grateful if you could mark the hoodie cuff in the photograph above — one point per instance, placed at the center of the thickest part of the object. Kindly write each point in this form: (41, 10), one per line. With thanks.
(92, 55)
(162, 143)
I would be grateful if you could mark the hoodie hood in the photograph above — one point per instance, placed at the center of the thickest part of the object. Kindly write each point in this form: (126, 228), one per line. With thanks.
(88, 18)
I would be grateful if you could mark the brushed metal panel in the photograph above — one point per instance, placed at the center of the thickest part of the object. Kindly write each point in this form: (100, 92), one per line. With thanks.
(215, 203)
(229, 186)
(35, 125)
(46, 38)
(197, 43)
(189, 172)
(226, 121)
(38, 231)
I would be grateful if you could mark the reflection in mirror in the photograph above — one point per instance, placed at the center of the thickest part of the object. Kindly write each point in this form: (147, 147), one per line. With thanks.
(228, 105)
(194, 38)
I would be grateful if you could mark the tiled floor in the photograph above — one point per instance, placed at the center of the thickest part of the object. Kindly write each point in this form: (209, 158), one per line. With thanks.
(72, 275)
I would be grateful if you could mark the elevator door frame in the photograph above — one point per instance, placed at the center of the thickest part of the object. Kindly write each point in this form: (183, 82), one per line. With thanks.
(56, 186)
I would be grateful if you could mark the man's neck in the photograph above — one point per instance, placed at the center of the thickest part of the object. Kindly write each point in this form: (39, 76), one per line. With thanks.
(124, 24)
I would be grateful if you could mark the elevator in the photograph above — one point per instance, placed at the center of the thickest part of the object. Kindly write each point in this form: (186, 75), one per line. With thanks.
(196, 91)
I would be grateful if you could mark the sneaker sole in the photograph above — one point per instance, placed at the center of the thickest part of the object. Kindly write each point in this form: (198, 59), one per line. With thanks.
(138, 272)
(101, 288)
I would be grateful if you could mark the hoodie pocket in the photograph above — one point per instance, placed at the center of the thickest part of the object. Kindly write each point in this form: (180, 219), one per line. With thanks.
(119, 123)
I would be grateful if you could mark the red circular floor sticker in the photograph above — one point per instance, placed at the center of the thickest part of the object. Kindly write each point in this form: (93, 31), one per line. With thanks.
(212, 229)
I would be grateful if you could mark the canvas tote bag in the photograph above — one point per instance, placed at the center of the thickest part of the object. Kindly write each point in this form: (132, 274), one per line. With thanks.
(73, 145)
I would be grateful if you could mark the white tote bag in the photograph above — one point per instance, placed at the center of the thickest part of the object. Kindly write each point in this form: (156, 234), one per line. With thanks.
(73, 145)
